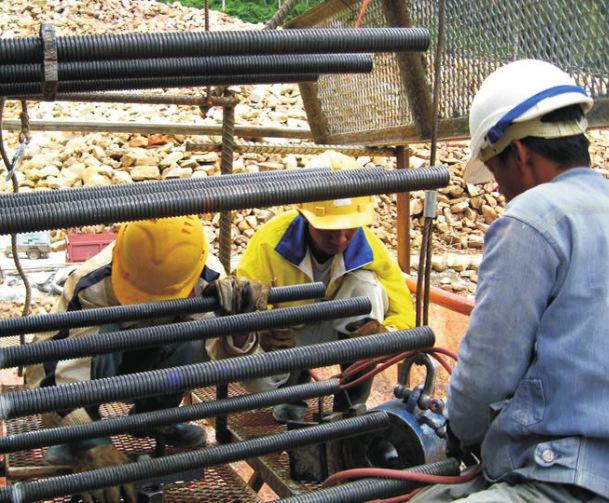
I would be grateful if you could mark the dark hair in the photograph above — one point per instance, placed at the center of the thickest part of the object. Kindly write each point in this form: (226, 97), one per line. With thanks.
(566, 151)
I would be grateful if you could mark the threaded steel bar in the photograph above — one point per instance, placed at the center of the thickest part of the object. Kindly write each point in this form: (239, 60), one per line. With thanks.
(122, 340)
(135, 422)
(298, 148)
(34, 89)
(179, 379)
(151, 99)
(152, 187)
(229, 43)
(117, 314)
(103, 211)
(226, 168)
(374, 489)
(157, 467)
(177, 67)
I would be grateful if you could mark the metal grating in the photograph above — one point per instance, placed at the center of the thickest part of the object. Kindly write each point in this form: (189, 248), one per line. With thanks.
(274, 468)
(220, 484)
(390, 106)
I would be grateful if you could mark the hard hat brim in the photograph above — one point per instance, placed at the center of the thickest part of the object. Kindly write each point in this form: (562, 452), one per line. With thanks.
(339, 222)
(126, 293)
(476, 172)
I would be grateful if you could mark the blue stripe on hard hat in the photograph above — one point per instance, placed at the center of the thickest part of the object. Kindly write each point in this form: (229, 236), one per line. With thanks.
(498, 130)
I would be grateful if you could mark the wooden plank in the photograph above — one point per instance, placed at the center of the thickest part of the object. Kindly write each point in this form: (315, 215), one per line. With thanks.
(159, 127)
(315, 115)
(412, 71)
(402, 156)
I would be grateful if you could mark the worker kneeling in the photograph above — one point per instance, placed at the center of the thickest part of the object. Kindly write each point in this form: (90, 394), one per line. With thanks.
(326, 241)
(150, 261)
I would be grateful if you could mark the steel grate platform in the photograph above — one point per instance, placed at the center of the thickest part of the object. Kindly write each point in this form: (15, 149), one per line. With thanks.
(221, 483)
(273, 469)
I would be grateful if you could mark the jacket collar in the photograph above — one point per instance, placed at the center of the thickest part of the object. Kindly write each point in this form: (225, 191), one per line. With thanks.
(293, 246)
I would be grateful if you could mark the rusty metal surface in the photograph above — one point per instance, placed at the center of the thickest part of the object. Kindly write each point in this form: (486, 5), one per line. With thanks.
(274, 468)
(220, 484)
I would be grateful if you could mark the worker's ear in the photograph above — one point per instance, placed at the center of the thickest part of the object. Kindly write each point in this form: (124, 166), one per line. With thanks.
(521, 156)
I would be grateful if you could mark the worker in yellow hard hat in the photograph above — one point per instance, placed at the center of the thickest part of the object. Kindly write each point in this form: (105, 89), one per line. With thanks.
(328, 241)
(150, 261)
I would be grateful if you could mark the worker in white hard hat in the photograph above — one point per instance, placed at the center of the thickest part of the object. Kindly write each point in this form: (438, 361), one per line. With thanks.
(150, 261)
(529, 393)
(328, 241)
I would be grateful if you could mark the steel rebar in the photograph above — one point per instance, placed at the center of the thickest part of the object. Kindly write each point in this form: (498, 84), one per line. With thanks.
(267, 193)
(152, 187)
(34, 89)
(228, 43)
(131, 423)
(157, 467)
(117, 314)
(179, 379)
(374, 489)
(158, 335)
(195, 66)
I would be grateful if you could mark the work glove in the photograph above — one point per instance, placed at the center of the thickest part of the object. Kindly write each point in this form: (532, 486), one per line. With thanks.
(104, 456)
(277, 338)
(367, 326)
(239, 295)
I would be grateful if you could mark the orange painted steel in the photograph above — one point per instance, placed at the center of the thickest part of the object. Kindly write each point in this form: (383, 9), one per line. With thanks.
(456, 303)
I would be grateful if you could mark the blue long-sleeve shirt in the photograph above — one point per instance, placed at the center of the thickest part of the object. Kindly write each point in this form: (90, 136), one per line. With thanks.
(532, 382)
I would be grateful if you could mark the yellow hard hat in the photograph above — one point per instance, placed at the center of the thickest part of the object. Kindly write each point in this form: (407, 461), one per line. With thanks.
(160, 259)
(347, 213)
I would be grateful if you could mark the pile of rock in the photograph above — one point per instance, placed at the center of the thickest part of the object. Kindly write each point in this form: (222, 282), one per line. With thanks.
(62, 160)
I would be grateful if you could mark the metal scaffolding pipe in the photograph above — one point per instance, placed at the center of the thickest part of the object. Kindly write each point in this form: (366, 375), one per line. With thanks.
(202, 66)
(152, 128)
(166, 465)
(374, 489)
(117, 314)
(179, 379)
(20, 90)
(158, 335)
(283, 149)
(349, 183)
(218, 43)
(132, 423)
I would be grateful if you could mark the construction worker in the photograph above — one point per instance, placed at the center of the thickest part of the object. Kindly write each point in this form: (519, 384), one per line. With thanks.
(530, 386)
(150, 261)
(327, 241)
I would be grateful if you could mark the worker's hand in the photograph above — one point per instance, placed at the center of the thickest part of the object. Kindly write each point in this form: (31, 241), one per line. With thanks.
(469, 455)
(239, 295)
(277, 338)
(367, 326)
(104, 456)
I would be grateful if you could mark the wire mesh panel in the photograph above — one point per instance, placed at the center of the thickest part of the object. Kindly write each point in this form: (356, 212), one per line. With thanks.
(392, 104)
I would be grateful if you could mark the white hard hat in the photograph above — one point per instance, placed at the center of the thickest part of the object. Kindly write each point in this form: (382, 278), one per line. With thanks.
(518, 92)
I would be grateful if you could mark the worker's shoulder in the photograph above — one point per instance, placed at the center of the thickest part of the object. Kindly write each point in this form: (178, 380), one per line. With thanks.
(572, 191)
(102, 260)
(276, 227)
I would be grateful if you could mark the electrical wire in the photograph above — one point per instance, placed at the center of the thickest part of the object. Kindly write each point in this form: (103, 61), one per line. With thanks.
(358, 473)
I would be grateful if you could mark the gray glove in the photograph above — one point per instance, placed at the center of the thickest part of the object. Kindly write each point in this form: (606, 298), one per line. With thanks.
(239, 295)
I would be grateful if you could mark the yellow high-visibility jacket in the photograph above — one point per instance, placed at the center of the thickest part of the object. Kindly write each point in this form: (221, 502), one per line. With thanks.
(278, 255)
